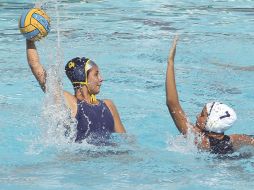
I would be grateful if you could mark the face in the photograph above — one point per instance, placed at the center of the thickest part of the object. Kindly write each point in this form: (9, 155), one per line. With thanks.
(201, 119)
(94, 80)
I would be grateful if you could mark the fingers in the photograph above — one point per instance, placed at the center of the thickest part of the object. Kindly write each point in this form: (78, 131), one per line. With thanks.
(176, 37)
(173, 49)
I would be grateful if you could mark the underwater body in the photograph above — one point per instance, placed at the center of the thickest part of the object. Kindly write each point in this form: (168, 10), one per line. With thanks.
(129, 40)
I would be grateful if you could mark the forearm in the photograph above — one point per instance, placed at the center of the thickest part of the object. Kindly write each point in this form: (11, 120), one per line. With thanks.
(172, 100)
(34, 63)
(171, 91)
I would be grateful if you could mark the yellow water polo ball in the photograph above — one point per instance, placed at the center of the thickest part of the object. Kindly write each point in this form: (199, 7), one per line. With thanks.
(34, 24)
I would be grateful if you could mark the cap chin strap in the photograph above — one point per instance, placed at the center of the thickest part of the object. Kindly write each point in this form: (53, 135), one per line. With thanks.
(93, 99)
(87, 67)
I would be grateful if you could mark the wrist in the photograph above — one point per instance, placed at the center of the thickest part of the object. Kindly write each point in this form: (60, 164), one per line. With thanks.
(30, 44)
(29, 41)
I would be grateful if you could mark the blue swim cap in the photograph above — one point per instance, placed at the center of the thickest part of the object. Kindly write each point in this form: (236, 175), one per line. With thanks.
(76, 70)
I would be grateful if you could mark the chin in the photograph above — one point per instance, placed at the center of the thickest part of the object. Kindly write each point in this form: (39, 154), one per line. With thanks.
(99, 89)
(97, 92)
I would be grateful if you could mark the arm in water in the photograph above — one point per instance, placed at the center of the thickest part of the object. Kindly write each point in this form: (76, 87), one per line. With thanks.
(172, 100)
(241, 140)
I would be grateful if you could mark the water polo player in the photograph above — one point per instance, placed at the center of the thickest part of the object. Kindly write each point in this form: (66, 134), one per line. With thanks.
(211, 123)
(96, 119)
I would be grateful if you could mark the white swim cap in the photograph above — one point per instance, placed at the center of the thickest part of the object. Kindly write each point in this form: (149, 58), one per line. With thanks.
(220, 117)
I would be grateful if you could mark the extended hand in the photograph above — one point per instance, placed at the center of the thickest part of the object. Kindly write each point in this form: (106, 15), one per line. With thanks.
(172, 51)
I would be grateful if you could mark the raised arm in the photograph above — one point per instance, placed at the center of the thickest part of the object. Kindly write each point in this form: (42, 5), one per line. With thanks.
(172, 100)
(34, 63)
(40, 73)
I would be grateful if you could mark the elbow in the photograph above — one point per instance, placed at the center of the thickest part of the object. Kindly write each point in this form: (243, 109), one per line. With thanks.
(172, 106)
(171, 103)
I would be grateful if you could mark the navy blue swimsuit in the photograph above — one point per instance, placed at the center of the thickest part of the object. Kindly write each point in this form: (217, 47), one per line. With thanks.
(95, 123)
(221, 146)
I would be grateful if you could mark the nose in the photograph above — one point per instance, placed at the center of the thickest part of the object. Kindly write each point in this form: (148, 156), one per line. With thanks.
(100, 78)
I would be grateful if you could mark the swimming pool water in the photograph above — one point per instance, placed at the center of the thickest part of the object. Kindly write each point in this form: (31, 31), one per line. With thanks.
(129, 40)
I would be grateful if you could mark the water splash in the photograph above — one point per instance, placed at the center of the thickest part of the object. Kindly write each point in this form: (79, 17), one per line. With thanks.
(184, 144)
(57, 126)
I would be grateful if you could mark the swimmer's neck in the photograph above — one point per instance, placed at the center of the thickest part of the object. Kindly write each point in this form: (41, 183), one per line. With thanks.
(215, 135)
(81, 96)
(209, 133)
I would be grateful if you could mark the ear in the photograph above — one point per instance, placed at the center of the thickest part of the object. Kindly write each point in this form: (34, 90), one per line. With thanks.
(78, 91)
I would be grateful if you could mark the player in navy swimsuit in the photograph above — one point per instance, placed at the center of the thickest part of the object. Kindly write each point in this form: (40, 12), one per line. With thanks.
(96, 119)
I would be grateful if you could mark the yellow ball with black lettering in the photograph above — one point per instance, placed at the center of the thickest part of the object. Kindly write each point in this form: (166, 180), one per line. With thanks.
(34, 24)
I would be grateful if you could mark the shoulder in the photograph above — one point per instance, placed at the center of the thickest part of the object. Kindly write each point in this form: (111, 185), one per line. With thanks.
(71, 102)
(70, 98)
(239, 140)
(202, 140)
(66, 93)
(110, 104)
(241, 137)
(237, 137)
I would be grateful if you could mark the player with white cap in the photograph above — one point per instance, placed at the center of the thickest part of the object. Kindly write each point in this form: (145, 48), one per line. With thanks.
(211, 123)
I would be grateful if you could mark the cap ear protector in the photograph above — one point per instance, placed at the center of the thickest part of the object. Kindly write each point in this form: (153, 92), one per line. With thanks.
(77, 71)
